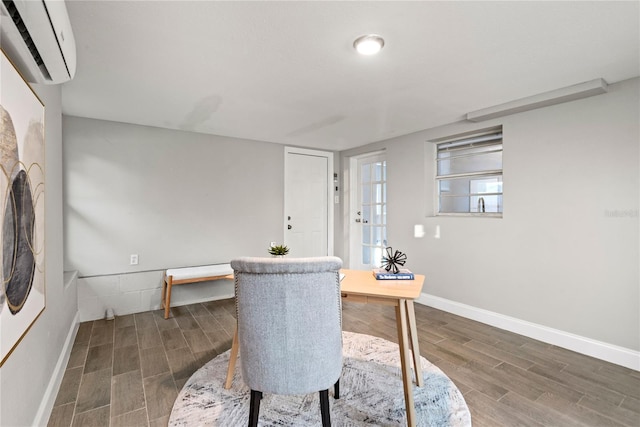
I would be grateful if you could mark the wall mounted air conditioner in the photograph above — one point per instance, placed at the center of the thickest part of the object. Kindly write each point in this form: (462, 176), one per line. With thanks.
(36, 35)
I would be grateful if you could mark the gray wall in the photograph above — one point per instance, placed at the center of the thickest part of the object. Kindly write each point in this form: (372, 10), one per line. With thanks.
(174, 198)
(565, 254)
(27, 376)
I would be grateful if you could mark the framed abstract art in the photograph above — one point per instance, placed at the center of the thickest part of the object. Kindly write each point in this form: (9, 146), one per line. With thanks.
(22, 187)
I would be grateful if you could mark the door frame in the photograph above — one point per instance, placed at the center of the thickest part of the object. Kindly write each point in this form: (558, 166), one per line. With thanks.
(330, 190)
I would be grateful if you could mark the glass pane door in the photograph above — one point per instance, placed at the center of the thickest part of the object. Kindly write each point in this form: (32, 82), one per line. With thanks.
(371, 216)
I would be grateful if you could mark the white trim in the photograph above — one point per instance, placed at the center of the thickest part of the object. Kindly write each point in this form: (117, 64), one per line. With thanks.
(590, 347)
(330, 189)
(49, 398)
(350, 214)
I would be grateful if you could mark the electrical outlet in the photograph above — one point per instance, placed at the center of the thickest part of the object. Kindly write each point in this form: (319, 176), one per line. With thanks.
(133, 259)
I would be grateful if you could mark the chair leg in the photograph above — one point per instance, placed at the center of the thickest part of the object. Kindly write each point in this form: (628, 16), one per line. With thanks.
(324, 408)
(254, 408)
(336, 389)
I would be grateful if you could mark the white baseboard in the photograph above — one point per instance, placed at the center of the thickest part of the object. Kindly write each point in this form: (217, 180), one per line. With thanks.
(49, 398)
(598, 349)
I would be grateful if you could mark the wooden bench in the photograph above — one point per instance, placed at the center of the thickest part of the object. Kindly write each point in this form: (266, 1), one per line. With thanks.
(181, 276)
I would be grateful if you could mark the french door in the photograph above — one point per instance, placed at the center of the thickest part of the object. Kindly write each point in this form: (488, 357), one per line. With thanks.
(368, 210)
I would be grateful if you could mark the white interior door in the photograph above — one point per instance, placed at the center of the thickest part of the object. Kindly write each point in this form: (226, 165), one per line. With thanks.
(368, 211)
(308, 222)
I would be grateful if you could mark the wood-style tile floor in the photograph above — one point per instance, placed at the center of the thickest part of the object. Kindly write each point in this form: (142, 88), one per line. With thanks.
(128, 371)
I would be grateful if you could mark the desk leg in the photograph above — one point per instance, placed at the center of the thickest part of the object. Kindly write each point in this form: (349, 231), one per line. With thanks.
(415, 345)
(403, 342)
(232, 360)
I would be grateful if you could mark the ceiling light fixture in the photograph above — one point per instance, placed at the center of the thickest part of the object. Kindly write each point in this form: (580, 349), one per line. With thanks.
(369, 44)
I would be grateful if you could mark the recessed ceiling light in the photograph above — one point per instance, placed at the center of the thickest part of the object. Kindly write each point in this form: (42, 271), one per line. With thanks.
(369, 44)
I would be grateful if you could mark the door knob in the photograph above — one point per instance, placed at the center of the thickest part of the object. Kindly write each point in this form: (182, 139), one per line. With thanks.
(289, 227)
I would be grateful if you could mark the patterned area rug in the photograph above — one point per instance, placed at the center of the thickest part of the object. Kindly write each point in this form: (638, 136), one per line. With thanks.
(371, 393)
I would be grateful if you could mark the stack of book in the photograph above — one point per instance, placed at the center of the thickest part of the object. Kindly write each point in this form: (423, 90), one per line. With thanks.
(402, 274)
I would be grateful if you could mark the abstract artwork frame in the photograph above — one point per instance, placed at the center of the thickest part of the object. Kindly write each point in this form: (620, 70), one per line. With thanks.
(22, 215)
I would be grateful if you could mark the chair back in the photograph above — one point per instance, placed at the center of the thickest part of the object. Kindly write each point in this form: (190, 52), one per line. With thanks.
(289, 323)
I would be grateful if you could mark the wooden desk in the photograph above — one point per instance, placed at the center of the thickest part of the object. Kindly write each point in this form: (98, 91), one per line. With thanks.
(362, 287)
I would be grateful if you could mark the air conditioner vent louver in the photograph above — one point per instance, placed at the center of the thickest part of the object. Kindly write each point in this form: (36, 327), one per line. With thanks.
(37, 37)
(17, 20)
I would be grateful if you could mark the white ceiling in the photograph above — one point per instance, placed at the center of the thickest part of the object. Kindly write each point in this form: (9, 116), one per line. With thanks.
(286, 72)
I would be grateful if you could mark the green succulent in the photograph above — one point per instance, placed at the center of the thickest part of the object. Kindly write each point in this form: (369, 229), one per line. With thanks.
(278, 250)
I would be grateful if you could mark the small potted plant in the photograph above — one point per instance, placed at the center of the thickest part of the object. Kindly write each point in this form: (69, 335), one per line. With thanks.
(278, 250)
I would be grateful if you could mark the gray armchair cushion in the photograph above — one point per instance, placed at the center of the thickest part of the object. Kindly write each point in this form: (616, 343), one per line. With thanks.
(289, 323)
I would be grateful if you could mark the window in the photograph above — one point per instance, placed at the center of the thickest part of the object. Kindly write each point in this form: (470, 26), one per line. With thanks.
(469, 175)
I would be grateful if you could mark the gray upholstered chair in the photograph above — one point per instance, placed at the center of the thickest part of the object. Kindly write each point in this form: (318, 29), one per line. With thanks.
(289, 327)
